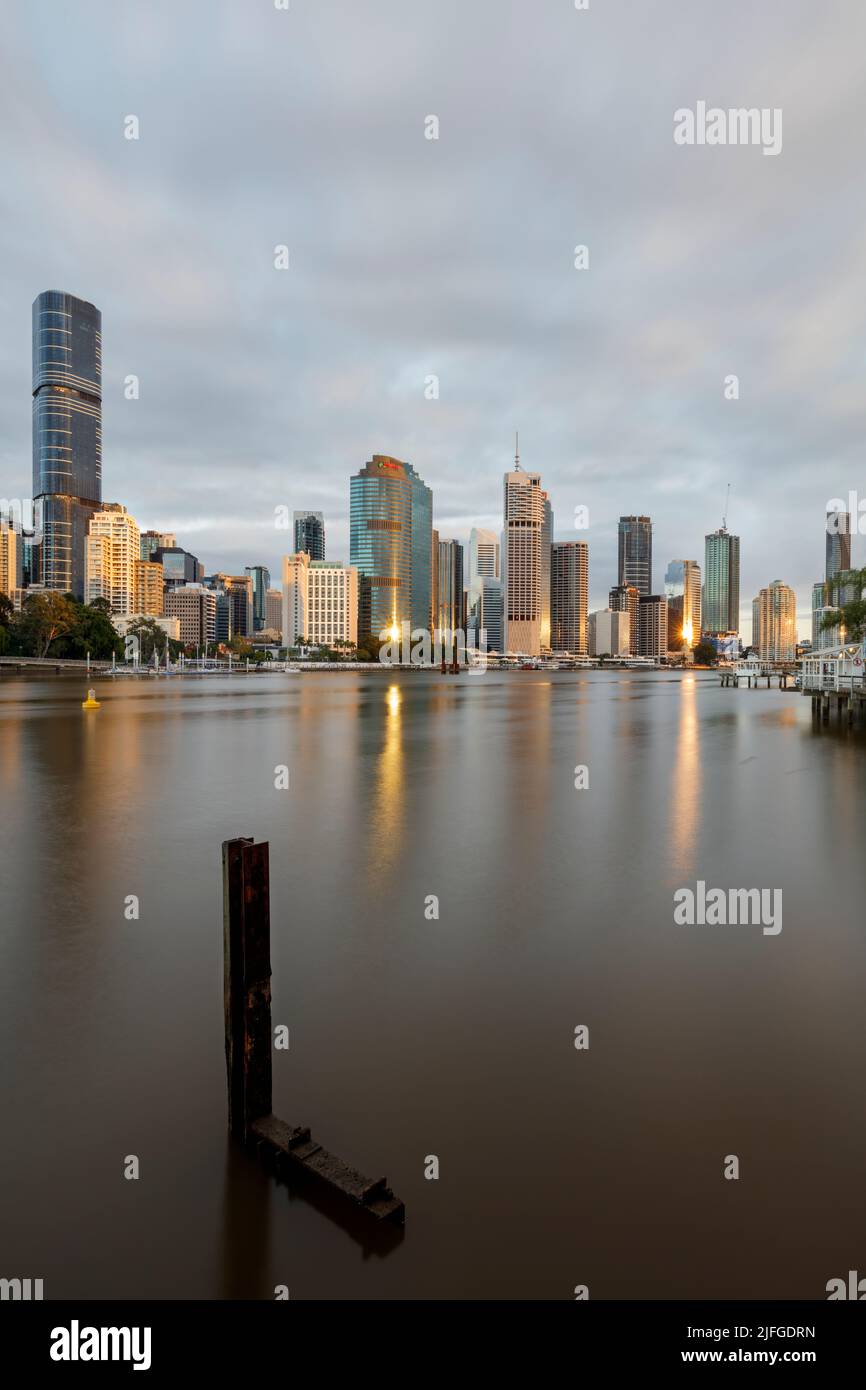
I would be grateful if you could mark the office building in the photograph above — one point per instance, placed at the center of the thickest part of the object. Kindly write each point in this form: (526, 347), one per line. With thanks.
(483, 554)
(295, 618)
(274, 610)
(449, 608)
(635, 557)
(111, 551)
(194, 606)
(609, 632)
(178, 565)
(546, 546)
(391, 535)
(310, 534)
(152, 541)
(721, 600)
(525, 524)
(777, 606)
(652, 617)
(261, 582)
(332, 603)
(625, 598)
(683, 593)
(569, 592)
(67, 435)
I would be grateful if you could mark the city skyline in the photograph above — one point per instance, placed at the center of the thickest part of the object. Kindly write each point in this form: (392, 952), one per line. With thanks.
(261, 387)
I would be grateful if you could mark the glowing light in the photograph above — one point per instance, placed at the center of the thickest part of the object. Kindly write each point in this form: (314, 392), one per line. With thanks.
(394, 699)
(687, 631)
(394, 632)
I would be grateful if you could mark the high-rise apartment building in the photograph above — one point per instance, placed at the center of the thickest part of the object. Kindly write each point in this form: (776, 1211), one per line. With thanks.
(195, 607)
(295, 598)
(450, 602)
(683, 593)
(310, 534)
(525, 524)
(111, 554)
(8, 558)
(778, 622)
(625, 598)
(391, 535)
(569, 593)
(149, 589)
(635, 553)
(721, 603)
(652, 617)
(67, 434)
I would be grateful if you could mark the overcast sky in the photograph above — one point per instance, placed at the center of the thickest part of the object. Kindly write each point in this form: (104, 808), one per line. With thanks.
(454, 257)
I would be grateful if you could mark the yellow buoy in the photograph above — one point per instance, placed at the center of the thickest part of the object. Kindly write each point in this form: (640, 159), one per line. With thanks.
(91, 702)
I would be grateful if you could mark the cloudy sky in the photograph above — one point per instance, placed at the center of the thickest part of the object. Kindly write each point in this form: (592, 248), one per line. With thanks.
(411, 257)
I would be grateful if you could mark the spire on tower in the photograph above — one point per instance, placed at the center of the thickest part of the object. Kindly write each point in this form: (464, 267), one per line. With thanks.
(516, 452)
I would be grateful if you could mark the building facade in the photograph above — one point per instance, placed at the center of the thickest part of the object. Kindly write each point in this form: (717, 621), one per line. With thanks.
(721, 605)
(67, 435)
(778, 622)
(569, 594)
(274, 610)
(625, 598)
(178, 565)
(151, 541)
(609, 632)
(112, 548)
(332, 603)
(194, 606)
(449, 606)
(683, 593)
(149, 589)
(9, 558)
(525, 522)
(310, 534)
(652, 620)
(391, 538)
(635, 554)
(260, 577)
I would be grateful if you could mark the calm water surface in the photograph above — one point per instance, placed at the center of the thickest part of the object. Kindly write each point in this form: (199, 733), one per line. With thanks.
(453, 1037)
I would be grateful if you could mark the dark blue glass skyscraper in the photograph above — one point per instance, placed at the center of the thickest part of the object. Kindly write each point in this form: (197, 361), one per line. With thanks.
(390, 543)
(67, 434)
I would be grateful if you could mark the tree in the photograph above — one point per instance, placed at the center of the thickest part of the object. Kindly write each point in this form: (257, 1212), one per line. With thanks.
(43, 619)
(92, 632)
(705, 654)
(152, 638)
(850, 615)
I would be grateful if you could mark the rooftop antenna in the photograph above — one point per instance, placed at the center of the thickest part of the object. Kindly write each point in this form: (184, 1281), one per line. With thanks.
(727, 500)
(516, 453)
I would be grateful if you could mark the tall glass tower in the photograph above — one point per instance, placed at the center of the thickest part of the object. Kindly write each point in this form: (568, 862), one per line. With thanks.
(636, 553)
(261, 578)
(67, 434)
(390, 542)
(310, 534)
(721, 606)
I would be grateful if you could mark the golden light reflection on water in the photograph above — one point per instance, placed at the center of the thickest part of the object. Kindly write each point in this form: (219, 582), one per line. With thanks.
(387, 812)
(685, 804)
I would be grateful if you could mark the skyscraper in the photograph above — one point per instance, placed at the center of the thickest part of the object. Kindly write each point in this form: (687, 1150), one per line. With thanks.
(683, 593)
(8, 557)
(525, 524)
(569, 592)
(652, 625)
(310, 534)
(390, 542)
(778, 622)
(261, 579)
(838, 544)
(636, 552)
(721, 606)
(67, 434)
(151, 541)
(484, 593)
(625, 598)
(449, 614)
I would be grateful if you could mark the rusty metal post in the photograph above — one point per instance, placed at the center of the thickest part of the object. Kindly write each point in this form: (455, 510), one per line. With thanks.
(247, 982)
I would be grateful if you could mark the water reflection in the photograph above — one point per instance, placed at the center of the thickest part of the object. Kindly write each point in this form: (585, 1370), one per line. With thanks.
(685, 800)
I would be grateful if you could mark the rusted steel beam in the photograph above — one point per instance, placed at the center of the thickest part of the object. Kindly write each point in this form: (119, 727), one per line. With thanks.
(247, 982)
